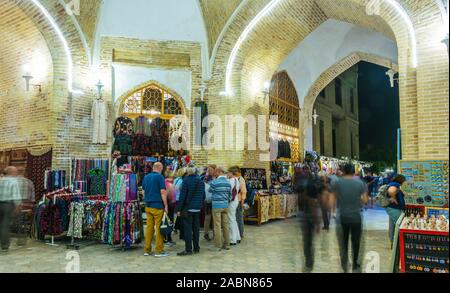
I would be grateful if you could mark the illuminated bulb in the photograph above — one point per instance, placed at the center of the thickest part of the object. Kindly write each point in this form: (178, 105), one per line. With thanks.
(267, 86)
(27, 68)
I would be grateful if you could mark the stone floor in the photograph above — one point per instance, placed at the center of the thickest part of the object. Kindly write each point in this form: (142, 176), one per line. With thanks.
(274, 247)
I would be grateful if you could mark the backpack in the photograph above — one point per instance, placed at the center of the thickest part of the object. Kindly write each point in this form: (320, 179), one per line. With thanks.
(382, 197)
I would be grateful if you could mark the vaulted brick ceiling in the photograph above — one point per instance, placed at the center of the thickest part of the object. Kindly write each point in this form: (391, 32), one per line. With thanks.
(216, 14)
(88, 18)
(351, 12)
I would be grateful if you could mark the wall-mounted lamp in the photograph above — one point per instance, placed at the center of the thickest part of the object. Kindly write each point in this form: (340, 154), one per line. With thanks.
(202, 91)
(28, 77)
(315, 116)
(391, 73)
(100, 87)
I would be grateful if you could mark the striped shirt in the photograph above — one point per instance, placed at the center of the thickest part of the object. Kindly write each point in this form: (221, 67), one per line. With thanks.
(10, 190)
(220, 193)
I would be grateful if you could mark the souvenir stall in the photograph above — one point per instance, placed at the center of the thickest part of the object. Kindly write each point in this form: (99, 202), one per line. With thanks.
(331, 165)
(143, 130)
(265, 205)
(317, 163)
(286, 139)
(423, 234)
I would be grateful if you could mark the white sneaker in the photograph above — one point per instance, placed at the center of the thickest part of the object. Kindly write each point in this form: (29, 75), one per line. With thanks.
(147, 254)
(162, 254)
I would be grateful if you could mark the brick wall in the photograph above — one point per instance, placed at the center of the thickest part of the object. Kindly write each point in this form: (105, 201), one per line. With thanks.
(154, 54)
(423, 91)
(24, 116)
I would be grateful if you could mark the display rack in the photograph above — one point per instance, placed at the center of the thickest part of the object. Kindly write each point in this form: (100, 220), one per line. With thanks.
(424, 251)
(427, 182)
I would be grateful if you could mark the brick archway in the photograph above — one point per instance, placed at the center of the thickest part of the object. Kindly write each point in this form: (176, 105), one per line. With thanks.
(325, 79)
(272, 40)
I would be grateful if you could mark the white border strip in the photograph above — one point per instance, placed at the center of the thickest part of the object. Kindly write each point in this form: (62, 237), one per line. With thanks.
(402, 12)
(240, 41)
(228, 84)
(80, 32)
(224, 31)
(63, 41)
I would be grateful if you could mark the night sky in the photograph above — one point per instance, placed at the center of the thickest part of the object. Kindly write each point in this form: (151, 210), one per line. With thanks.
(379, 112)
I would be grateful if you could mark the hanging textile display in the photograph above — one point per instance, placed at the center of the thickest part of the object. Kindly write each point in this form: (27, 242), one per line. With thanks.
(123, 125)
(86, 219)
(123, 224)
(63, 211)
(99, 115)
(54, 180)
(123, 136)
(201, 124)
(76, 212)
(97, 181)
(80, 175)
(123, 188)
(141, 166)
(36, 167)
(142, 126)
(141, 145)
(159, 143)
(123, 143)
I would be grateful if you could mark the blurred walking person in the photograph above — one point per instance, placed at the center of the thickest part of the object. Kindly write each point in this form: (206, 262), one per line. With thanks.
(10, 197)
(351, 195)
(308, 188)
(24, 212)
(324, 199)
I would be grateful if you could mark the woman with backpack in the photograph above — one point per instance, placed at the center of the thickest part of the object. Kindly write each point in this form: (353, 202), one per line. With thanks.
(397, 203)
(235, 236)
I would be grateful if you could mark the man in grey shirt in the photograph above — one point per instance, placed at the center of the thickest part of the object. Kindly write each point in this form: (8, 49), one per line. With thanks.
(351, 195)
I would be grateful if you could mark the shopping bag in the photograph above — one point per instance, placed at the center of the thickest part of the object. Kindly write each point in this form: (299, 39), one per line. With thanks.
(166, 227)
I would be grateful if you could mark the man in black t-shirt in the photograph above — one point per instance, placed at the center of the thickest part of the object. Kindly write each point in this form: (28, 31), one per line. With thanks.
(309, 188)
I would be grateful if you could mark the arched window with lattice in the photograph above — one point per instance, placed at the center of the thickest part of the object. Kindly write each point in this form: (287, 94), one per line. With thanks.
(284, 104)
(152, 101)
(284, 100)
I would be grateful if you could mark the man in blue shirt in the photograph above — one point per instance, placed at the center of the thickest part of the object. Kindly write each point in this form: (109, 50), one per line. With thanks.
(155, 205)
(221, 196)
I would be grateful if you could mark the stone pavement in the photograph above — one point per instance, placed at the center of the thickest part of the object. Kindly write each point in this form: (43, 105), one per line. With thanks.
(274, 247)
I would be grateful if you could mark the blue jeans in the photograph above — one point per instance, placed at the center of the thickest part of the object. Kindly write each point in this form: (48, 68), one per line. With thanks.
(394, 215)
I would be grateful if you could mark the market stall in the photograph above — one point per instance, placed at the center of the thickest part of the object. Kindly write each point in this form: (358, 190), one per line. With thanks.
(265, 205)
(423, 232)
(424, 242)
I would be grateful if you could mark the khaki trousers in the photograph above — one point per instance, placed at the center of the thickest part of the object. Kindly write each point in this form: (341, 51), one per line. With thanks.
(221, 228)
(154, 219)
